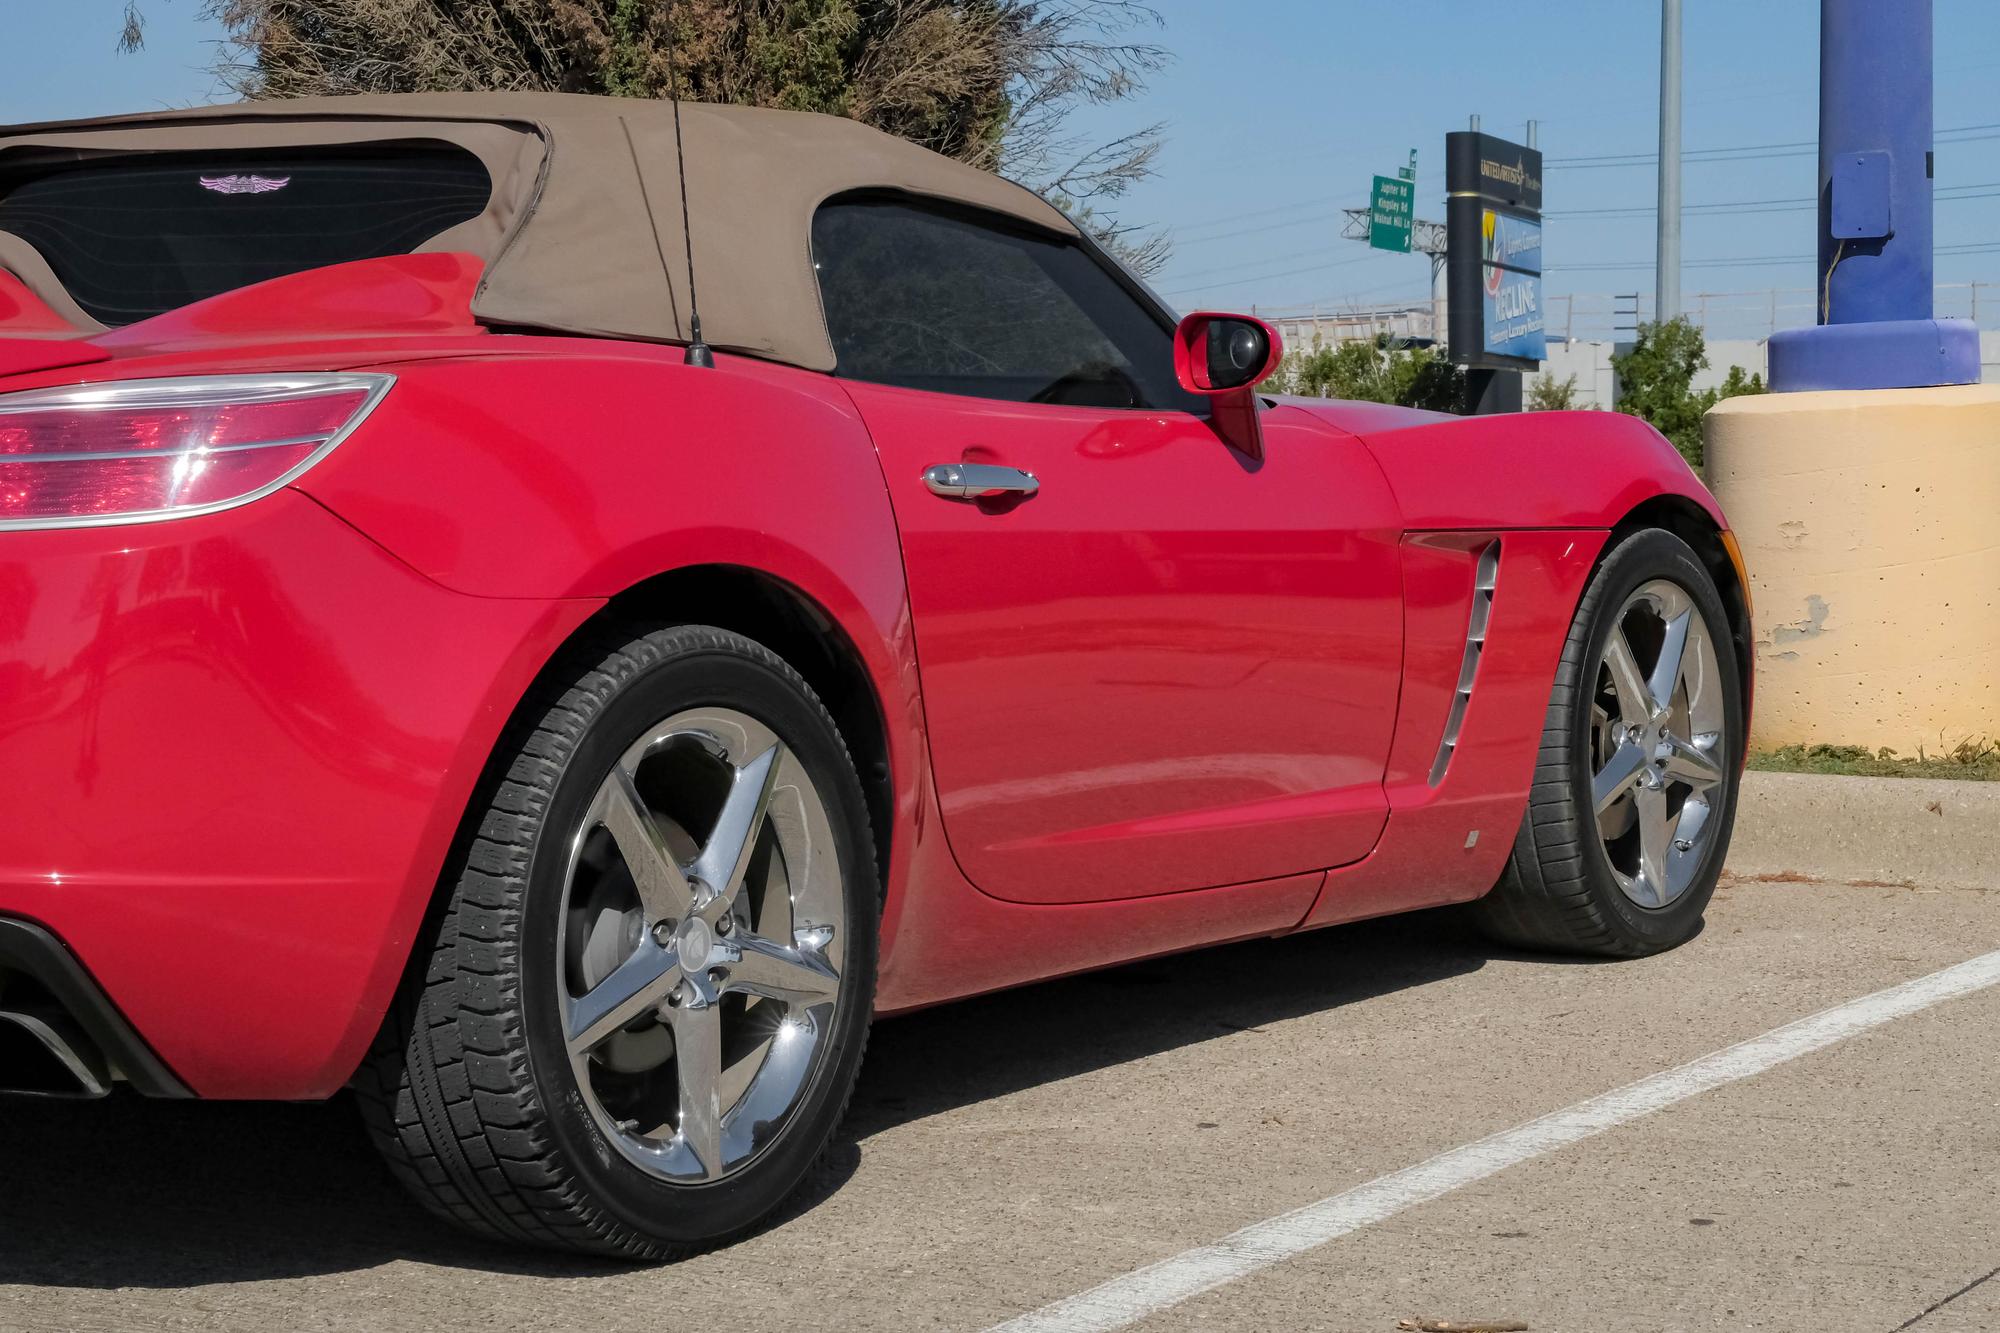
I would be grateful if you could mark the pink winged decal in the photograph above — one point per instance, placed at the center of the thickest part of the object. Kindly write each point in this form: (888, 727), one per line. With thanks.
(244, 184)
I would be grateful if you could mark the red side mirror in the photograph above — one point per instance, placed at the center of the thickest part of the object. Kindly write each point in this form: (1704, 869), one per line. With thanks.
(1224, 358)
(1218, 354)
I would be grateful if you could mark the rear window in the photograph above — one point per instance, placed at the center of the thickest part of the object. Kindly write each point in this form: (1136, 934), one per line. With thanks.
(133, 235)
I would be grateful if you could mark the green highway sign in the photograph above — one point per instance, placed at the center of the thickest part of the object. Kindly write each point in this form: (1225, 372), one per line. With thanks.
(1391, 209)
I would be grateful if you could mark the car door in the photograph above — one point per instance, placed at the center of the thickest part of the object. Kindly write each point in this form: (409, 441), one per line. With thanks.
(1155, 663)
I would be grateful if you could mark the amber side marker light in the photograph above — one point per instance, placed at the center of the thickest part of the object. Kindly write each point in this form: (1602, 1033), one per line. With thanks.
(1742, 570)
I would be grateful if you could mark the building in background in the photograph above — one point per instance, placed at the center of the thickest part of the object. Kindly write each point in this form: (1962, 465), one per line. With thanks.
(1585, 329)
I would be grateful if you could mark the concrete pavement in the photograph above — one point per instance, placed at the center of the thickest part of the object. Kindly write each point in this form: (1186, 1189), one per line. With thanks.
(1014, 1150)
(1927, 831)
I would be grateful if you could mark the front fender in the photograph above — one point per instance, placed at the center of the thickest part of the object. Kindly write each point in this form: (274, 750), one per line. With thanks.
(1530, 470)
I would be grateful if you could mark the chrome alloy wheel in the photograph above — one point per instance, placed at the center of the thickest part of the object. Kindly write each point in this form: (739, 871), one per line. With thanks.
(698, 949)
(1658, 747)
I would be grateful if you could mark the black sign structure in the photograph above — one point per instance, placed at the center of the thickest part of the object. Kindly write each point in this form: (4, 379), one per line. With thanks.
(1493, 252)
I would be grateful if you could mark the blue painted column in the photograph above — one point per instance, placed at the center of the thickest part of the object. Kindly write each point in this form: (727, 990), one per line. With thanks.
(1876, 329)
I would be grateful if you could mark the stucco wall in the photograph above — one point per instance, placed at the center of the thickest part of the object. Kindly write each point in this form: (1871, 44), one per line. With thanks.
(1870, 522)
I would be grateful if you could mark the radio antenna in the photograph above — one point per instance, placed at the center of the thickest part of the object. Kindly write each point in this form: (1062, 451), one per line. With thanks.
(698, 352)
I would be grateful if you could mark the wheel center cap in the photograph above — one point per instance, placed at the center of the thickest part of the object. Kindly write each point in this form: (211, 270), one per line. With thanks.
(694, 943)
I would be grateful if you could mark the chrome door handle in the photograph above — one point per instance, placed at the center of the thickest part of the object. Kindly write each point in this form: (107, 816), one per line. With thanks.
(973, 481)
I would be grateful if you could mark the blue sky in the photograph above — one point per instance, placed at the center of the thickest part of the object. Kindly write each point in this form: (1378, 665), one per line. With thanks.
(1279, 111)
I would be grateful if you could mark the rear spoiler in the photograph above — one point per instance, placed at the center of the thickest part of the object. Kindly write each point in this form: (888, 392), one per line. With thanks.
(34, 337)
(24, 356)
(423, 293)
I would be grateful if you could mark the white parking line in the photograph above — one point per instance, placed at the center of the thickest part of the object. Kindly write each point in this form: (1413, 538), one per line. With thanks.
(1128, 1299)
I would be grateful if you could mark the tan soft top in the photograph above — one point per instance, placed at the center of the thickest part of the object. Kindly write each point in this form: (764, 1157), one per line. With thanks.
(583, 233)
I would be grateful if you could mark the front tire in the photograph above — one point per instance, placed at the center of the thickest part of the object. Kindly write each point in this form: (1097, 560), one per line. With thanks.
(1635, 785)
(647, 1000)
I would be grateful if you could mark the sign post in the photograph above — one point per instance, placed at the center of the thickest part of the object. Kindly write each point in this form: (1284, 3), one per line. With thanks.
(1493, 264)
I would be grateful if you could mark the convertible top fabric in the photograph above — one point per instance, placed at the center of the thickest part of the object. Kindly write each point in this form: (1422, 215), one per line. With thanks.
(583, 232)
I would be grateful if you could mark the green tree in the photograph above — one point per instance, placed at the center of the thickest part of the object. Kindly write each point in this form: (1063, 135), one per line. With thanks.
(1735, 384)
(1548, 394)
(1656, 381)
(994, 83)
(1374, 371)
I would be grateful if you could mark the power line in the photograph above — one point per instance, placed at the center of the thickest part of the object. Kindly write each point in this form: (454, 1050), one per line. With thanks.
(1329, 306)
(1793, 148)
(1226, 269)
(1685, 157)
(1945, 194)
(1654, 157)
(1224, 220)
(1745, 152)
(1260, 277)
(1752, 261)
(1230, 275)
(1224, 272)
(1268, 226)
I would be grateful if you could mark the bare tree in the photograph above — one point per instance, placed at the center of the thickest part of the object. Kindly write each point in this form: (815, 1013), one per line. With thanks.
(1079, 53)
(989, 82)
(132, 29)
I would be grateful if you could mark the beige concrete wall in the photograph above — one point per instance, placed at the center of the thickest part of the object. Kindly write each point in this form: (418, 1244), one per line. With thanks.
(1870, 522)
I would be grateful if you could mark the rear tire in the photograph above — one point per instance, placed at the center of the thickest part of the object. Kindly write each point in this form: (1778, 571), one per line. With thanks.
(561, 1074)
(1634, 791)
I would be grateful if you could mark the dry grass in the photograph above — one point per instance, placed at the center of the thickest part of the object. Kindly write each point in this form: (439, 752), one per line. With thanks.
(1972, 761)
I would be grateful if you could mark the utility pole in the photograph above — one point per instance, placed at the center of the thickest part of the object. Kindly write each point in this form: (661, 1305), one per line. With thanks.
(1667, 262)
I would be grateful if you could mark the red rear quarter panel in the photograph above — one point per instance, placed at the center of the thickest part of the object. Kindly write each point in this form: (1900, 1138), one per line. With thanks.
(578, 470)
(235, 748)
(561, 469)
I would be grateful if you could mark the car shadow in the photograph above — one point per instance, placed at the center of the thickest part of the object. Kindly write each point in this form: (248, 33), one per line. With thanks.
(937, 1060)
(130, 1193)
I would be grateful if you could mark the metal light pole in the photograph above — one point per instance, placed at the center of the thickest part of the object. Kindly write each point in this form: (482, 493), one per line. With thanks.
(1667, 263)
(1877, 328)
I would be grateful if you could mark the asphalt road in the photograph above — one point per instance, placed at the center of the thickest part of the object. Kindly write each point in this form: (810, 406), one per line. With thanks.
(1013, 1151)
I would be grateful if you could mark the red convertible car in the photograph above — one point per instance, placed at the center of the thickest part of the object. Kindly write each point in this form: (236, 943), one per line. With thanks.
(433, 663)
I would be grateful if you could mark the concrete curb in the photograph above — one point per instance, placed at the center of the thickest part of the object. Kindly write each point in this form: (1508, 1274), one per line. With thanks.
(1927, 831)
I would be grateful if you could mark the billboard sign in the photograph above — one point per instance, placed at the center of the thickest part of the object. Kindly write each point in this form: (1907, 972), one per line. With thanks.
(1500, 172)
(1511, 287)
(1493, 260)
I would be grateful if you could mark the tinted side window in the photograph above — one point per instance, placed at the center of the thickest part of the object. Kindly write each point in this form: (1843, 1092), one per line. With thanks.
(133, 235)
(926, 299)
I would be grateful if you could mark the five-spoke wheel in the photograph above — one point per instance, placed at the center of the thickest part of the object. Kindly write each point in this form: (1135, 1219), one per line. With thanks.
(646, 1004)
(1657, 733)
(699, 967)
(1635, 788)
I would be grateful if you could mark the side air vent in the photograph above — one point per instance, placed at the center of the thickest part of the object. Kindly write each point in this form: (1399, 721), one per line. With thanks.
(1483, 582)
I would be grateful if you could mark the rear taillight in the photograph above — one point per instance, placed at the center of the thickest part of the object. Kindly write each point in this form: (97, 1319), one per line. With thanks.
(144, 450)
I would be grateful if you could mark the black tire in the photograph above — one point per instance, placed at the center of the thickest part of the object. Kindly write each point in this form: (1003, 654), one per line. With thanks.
(1557, 891)
(469, 1093)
